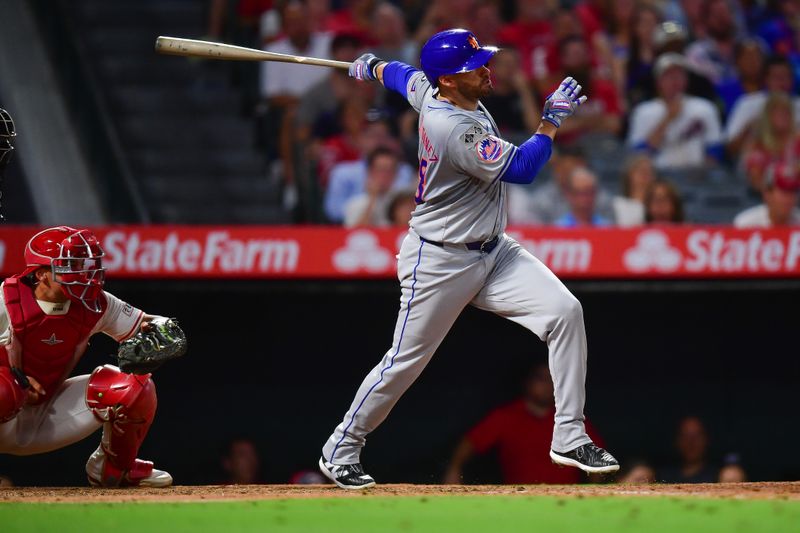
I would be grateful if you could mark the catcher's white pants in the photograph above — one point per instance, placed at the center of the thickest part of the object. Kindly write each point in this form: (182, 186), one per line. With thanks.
(436, 284)
(59, 422)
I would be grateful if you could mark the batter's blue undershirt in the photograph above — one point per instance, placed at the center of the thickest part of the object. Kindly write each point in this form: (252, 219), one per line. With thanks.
(527, 160)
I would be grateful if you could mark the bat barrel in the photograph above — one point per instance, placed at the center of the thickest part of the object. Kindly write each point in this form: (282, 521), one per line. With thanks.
(193, 48)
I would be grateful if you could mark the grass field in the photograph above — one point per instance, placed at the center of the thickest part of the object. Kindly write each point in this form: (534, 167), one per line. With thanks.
(526, 510)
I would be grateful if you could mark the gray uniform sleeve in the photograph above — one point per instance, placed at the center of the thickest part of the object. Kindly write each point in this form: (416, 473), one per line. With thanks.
(473, 151)
(416, 90)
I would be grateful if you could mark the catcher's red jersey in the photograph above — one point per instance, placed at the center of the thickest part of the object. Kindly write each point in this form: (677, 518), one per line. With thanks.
(48, 345)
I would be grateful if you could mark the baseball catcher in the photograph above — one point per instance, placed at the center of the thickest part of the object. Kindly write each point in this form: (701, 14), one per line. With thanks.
(47, 315)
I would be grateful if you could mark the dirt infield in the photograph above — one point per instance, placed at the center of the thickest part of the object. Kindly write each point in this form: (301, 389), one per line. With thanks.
(781, 491)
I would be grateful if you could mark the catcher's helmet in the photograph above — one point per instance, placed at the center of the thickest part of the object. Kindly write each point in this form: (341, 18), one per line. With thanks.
(75, 257)
(451, 52)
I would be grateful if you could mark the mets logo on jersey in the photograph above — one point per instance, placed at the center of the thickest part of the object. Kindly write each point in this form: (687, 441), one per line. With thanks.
(489, 149)
(473, 42)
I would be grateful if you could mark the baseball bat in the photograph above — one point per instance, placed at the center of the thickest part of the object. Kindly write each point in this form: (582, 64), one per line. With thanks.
(178, 46)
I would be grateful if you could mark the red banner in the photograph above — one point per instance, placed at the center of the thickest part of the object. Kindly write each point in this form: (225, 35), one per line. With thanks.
(325, 252)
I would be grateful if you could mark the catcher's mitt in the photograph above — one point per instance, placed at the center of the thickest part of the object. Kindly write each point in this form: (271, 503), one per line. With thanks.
(148, 350)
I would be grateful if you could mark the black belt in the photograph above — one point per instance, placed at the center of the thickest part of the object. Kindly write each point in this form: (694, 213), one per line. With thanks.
(483, 246)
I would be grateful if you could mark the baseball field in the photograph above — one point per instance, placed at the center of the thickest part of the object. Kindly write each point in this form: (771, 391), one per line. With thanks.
(770, 507)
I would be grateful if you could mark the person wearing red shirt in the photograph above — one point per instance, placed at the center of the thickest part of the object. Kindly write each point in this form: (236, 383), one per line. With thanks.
(531, 32)
(521, 433)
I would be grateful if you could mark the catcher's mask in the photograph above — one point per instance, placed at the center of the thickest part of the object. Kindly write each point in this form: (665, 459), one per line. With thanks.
(75, 259)
(7, 133)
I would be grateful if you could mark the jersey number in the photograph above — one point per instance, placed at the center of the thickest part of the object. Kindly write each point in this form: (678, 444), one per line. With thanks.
(423, 169)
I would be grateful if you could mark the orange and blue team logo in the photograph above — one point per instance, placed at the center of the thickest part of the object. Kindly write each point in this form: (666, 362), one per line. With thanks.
(473, 42)
(489, 149)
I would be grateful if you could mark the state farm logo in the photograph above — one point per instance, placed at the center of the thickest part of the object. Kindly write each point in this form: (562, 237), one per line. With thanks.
(362, 251)
(216, 252)
(652, 252)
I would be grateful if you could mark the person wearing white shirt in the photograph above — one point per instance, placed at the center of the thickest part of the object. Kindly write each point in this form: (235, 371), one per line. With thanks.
(678, 130)
(780, 193)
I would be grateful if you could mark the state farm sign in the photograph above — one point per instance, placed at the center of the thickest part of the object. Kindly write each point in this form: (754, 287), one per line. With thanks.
(215, 251)
(268, 252)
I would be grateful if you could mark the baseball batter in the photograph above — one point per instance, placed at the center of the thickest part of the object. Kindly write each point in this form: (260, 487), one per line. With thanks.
(456, 252)
(47, 315)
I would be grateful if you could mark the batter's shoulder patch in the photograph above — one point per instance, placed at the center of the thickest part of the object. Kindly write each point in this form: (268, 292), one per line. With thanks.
(489, 149)
(472, 134)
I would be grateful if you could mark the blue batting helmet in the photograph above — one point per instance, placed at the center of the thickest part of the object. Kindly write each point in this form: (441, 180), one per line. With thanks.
(451, 52)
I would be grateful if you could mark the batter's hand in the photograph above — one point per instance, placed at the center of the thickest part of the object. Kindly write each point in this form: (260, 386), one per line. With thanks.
(563, 102)
(363, 68)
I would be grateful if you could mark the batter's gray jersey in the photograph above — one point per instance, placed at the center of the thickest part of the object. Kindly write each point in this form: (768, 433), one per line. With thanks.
(460, 196)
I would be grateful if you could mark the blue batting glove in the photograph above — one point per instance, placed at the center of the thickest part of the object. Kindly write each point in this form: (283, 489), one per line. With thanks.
(363, 68)
(563, 102)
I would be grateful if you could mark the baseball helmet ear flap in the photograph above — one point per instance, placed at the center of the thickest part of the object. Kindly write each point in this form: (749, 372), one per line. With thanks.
(453, 52)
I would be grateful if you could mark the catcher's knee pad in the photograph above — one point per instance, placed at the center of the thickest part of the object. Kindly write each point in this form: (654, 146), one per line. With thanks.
(12, 395)
(127, 405)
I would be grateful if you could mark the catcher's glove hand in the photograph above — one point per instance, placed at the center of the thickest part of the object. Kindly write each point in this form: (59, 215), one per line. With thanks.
(148, 350)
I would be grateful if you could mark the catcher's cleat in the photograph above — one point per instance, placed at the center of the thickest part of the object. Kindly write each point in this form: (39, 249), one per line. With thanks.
(589, 458)
(101, 473)
(346, 476)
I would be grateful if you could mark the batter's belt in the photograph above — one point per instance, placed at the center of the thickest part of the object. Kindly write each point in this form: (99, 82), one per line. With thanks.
(483, 246)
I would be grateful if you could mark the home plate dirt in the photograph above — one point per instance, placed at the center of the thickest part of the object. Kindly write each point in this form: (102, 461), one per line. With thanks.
(783, 491)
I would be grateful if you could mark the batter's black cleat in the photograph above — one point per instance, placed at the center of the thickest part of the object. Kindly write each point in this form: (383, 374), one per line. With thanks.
(346, 476)
(589, 458)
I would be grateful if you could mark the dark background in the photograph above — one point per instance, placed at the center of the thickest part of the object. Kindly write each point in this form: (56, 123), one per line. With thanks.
(280, 362)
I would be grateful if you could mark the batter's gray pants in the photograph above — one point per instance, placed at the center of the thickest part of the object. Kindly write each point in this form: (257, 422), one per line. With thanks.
(437, 283)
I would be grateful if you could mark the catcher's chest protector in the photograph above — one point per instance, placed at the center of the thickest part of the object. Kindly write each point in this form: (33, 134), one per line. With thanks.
(47, 343)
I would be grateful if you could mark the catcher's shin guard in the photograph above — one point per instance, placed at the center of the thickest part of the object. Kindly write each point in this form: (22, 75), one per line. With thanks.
(126, 403)
(12, 395)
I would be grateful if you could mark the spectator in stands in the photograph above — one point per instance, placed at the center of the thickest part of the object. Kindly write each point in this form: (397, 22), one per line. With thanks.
(521, 432)
(667, 37)
(778, 78)
(486, 21)
(443, 14)
(347, 179)
(283, 84)
(346, 144)
(548, 202)
(355, 17)
(642, 54)
(679, 130)
(308, 477)
(511, 103)
(601, 114)
(317, 114)
(689, 14)
(663, 204)
(371, 207)
(581, 195)
(637, 473)
(531, 32)
(750, 60)
(401, 205)
(713, 56)
(621, 29)
(775, 139)
(780, 193)
(732, 470)
(388, 30)
(241, 462)
(637, 176)
(691, 443)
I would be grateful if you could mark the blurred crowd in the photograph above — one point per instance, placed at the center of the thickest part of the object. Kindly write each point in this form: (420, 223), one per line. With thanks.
(681, 93)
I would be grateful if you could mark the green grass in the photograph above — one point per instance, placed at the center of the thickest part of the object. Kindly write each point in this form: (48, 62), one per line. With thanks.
(484, 514)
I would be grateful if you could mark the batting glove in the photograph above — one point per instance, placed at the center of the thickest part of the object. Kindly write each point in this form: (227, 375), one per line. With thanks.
(563, 102)
(364, 67)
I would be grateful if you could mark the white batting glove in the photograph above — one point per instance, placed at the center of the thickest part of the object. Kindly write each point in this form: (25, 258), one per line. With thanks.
(363, 68)
(563, 102)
